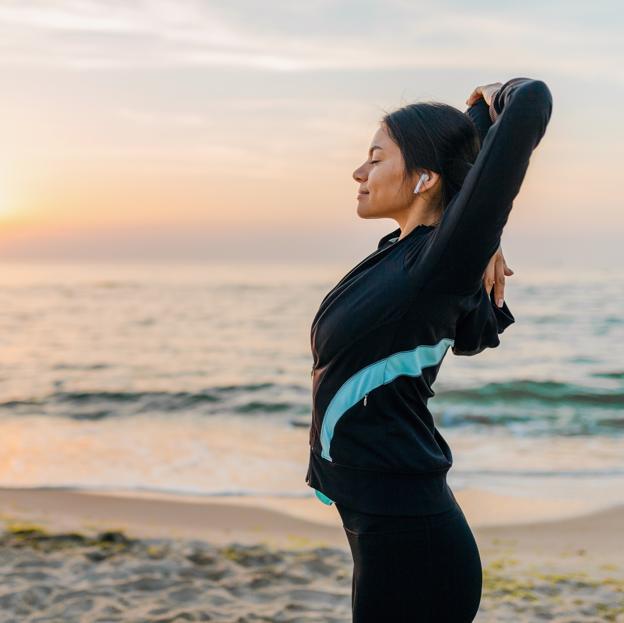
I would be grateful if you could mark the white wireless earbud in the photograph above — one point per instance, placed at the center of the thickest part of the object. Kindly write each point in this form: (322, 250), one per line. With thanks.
(424, 177)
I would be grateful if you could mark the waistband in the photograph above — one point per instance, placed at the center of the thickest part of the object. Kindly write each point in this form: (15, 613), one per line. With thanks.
(380, 492)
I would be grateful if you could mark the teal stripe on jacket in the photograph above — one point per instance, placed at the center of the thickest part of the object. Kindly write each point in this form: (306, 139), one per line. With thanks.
(407, 362)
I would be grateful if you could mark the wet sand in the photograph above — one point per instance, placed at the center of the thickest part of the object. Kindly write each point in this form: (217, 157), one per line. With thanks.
(78, 556)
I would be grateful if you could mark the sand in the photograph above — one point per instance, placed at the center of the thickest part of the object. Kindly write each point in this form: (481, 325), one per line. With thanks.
(101, 557)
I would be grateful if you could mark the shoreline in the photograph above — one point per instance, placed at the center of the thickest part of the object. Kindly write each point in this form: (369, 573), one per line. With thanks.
(289, 521)
(83, 556)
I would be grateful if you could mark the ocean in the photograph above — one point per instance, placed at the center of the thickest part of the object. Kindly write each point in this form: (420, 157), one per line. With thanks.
(195, 379)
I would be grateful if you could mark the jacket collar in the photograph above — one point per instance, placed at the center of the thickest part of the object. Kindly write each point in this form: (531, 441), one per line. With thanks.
(421, 229)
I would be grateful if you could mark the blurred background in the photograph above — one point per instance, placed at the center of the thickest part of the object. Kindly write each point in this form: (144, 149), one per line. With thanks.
(176, 197)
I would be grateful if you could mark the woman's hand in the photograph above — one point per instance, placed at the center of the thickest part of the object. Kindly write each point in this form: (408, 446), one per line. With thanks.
(485, 91)
(494, 276)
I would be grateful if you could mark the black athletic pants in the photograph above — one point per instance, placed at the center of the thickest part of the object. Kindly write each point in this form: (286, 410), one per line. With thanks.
(413, 569)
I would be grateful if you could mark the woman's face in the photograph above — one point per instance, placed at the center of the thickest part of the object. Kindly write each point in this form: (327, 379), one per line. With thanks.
(381, 191)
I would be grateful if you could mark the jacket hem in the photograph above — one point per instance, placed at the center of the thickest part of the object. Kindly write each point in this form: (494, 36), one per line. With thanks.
(380, 492)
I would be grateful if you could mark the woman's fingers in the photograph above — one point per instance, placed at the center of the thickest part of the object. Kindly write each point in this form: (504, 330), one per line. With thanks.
(489, 275)
(486, 91)
(499, 280)
(494, 276)
(474, 96)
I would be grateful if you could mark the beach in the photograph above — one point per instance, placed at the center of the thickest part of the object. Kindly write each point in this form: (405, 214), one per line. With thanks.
(217, 262)
(92, 556)
(152, 463)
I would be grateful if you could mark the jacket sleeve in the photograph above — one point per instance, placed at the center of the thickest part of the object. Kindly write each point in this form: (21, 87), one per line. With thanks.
(470, 230)
(480, 323)
(479, 112)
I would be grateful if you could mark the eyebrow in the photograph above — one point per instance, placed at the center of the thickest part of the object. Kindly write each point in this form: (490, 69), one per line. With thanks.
(373, 148)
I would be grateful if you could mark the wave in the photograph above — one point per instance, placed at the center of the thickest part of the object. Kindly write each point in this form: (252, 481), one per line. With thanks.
(610, 374)
(611, 472)
(95, 405)
(524, 407)
(544, 392)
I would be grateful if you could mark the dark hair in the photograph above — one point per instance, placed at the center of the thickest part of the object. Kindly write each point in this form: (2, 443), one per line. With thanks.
(438, 137)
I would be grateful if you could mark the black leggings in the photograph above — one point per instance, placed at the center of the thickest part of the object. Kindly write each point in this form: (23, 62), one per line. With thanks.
(413, 569)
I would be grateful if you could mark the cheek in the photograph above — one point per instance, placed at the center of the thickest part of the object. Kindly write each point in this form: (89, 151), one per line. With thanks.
(377, 181)
(383, 182)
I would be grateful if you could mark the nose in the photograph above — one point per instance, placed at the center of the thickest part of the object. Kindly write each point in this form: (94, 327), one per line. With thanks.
(359, 174)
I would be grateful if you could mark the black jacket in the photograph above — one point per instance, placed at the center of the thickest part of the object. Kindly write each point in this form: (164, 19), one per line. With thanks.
(380, 335)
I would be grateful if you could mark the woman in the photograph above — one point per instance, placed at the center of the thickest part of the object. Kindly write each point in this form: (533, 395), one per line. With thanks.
(379, 337)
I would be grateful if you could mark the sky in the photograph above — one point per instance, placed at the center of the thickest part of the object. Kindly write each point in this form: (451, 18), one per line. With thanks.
(229, 130)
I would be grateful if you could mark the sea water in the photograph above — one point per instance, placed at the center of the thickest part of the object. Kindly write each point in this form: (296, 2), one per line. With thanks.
(195, 378)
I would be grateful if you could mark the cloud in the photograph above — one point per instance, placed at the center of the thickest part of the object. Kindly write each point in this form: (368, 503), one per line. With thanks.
(146, 118)
(322, 35)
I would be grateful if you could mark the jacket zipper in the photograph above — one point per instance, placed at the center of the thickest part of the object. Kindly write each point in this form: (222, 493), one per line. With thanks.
(365, 399)
(344, 279)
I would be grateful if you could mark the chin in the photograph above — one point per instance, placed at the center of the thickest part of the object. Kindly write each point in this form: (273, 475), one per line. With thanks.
(363, 211)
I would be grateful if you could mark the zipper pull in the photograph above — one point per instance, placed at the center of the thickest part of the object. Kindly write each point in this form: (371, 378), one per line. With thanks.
(365, 399)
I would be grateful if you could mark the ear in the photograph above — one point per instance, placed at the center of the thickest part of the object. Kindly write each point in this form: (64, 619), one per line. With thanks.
(426, 184)
(433, 179)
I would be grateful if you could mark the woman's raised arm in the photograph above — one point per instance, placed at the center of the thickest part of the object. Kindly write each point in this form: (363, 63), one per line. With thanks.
(479, 112)
(470, 230)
